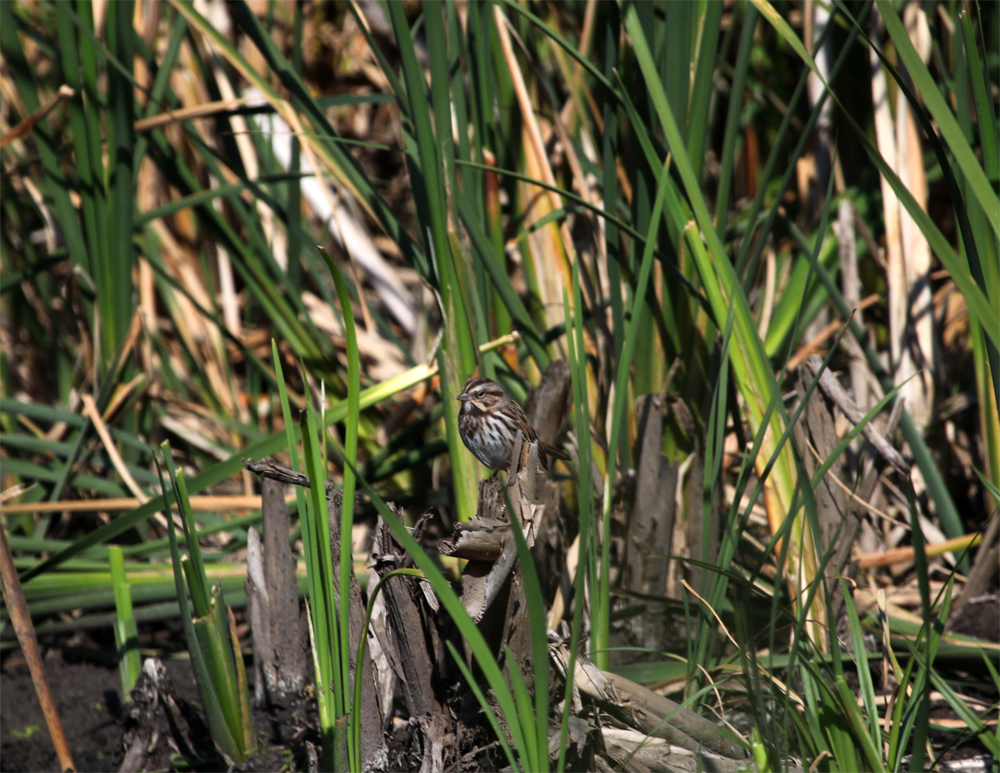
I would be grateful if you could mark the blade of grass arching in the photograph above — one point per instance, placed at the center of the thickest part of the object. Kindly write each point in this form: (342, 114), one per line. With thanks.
(355, 718)
(733, 114)
(940, 110)
(493, 263)
(975, 723)
(978, 304)
(351, 455)
(126, 633)
(751, 249)
(675, 274)
(752, 370)
(218, 472)
(570, 49)
(265, 290)
(601, 632)
(341, 162)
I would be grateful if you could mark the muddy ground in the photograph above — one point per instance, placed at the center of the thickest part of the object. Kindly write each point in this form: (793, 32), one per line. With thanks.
(88, 697)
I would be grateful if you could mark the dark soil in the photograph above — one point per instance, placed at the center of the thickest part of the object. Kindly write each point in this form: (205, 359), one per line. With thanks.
(89, 701)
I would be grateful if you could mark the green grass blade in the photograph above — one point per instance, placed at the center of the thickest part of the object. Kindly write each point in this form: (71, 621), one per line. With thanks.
(618, 417)
(113, 269)
(351, 451)
(126, 633)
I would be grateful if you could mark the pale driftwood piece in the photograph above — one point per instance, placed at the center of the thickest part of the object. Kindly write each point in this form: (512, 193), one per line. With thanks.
(483, 578)
(832, 388)
(482, 581)
(482, 539)
(640, 708)
(259, 614)
(487, 539)
(659, 756)
(267, 468)
(277, 623)
(410, 638)
(289, 627)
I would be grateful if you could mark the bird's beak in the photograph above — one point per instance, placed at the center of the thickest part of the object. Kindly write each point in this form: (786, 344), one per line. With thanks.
(464, 397)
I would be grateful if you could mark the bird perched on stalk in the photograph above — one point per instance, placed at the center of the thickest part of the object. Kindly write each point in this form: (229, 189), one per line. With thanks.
(489, 421)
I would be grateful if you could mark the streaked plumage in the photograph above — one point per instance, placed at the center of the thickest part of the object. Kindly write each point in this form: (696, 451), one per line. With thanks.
(489, 421)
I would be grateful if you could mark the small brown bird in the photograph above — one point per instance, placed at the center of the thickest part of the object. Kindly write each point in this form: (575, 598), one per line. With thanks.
(489, 421)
